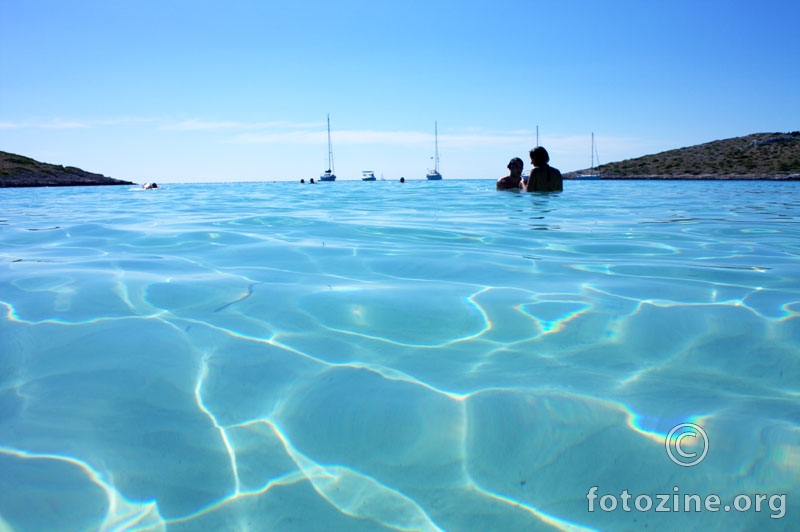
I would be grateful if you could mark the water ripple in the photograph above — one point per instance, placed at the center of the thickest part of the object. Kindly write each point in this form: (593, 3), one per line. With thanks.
(440, 357)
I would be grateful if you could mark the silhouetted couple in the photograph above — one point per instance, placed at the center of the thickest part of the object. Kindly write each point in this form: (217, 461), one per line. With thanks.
(542, 178)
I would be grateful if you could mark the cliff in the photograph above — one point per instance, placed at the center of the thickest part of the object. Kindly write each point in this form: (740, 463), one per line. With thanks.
(20, 171)
(772, 156)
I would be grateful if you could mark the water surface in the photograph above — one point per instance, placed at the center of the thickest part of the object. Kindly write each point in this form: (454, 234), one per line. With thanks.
(382, 356)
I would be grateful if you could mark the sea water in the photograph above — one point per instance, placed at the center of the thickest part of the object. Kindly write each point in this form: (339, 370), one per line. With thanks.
(381, 356)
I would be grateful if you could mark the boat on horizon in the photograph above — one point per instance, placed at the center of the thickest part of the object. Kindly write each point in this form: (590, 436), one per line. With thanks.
(591, 174)
(434, 174)
(328, 174)
(368, 175)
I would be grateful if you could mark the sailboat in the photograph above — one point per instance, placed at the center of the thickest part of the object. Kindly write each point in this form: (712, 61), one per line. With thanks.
(328, 175)
(591, 174)
(434, 174)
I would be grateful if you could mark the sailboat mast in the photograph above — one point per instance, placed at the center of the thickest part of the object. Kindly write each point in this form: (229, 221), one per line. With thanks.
(330, 147)
(436, 144)
(592, 163)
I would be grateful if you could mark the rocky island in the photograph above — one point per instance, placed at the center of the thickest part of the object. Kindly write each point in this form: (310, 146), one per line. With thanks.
(20, 171)
(762, 156)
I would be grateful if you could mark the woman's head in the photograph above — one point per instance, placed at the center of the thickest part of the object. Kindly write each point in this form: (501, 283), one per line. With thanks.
(539, 156)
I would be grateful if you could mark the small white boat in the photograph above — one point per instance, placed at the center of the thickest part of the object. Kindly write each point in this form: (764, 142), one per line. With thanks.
(368, 175)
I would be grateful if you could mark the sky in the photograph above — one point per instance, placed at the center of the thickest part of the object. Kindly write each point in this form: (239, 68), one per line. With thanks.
(209, 91)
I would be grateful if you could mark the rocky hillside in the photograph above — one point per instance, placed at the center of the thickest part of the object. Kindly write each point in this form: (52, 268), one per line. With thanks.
(757, 156)
(19, 171)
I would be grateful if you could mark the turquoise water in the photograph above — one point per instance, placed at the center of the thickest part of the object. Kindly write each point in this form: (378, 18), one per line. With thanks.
(381, 356)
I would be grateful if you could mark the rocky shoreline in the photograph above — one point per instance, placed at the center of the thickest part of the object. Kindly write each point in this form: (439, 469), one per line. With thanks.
(19, 171)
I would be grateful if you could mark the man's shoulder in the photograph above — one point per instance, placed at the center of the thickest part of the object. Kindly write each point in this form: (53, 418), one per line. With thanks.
(505, 183)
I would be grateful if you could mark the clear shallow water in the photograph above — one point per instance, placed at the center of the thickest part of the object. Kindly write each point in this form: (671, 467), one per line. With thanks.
(376, 356)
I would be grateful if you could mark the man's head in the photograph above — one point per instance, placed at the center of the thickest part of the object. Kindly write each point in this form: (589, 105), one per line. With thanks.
(515, 166)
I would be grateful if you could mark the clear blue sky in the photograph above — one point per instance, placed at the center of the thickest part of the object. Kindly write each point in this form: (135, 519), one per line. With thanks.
(194, 90)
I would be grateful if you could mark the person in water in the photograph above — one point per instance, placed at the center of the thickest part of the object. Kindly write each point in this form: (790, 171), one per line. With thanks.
(543, 177)
(513, 181)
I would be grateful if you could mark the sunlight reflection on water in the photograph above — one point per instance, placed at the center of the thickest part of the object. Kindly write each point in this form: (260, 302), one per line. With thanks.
(377, 356)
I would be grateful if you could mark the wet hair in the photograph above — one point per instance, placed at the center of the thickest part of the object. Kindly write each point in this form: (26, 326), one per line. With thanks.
(515, 160)
(539, 156)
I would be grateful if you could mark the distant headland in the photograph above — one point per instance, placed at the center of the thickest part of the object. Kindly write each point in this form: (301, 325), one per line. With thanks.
(20, 171)
(761, 156)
